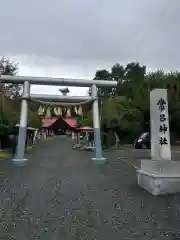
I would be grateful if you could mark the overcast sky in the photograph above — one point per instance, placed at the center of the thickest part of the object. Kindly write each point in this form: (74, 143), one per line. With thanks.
(74, 38)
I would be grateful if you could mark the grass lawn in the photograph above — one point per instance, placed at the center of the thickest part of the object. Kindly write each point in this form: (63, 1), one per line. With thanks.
(4, 154)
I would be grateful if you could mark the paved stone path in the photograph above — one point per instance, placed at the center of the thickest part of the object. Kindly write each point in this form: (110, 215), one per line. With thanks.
(61, 194)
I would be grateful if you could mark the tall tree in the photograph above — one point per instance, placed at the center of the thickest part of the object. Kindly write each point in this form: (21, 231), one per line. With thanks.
(10, 98)
(103, 75)
(117, 72)
(135, 72)
(8, 67)
(133, 78)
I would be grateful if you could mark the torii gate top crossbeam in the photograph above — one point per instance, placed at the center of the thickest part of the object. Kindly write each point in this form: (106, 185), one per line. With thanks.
(57, 81)
(56, 98)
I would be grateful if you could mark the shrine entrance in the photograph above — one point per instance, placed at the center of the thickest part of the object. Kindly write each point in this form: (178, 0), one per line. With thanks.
(56, 99)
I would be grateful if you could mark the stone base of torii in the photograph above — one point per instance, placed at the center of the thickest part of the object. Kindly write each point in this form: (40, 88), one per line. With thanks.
(160, 175)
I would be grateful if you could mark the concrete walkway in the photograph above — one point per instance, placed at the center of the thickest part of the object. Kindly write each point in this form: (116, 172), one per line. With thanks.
(62, 195)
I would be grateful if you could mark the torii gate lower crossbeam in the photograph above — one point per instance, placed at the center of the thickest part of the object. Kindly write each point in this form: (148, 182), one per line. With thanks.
(27, 81)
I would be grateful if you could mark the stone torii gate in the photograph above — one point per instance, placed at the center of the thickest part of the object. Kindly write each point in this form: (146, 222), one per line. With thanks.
(28, 81)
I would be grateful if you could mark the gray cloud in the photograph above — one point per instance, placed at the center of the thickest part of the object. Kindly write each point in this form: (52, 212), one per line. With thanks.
(91, 33)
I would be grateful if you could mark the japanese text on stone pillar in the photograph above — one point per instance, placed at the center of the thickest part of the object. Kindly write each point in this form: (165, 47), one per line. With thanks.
(162, 117)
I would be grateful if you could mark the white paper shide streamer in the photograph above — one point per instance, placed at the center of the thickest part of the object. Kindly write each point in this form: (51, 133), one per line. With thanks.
(48, 112)
(57, 111)
(78, 110)
(41, 111)
(68, 113)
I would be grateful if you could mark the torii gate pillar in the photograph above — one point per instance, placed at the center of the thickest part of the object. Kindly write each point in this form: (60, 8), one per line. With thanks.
(19, 158)
(96, 125)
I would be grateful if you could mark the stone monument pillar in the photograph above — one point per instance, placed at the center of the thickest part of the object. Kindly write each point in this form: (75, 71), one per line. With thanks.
(159, 121)
(159, 175)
